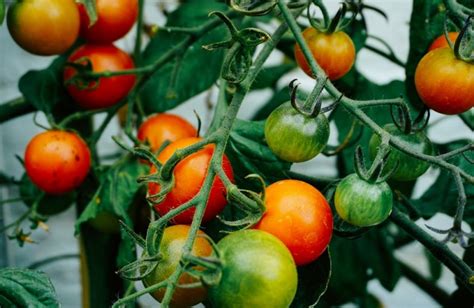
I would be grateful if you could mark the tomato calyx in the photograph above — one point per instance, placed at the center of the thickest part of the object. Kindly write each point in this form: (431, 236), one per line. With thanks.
(404, 122)
(463, 52)
(374, 174)
(210, 268)
(338, 22)
(84, 78)
(253, 8)
(314, 100)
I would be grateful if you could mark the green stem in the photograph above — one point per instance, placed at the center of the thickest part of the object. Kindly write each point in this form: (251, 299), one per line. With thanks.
(15, 108)
(386, 55)
(50, 260)
(462, 271)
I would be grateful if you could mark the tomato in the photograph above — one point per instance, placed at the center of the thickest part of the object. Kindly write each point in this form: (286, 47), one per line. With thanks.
(334, 52)
(409, 168)
(49, 204)
(171, 249)
(295, 137)
(445, 83)
(57, 161)
(44, 27)
(158, 128)
(189, 175)
(361, 203)
(110, 89)
(114, 19)
(299, 215)
(258, 272)
(441, 42)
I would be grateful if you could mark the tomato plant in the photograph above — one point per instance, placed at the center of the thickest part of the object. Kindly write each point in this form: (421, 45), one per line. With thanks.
(189, 175)
(296, 137)
(159, 128)
(258, 271)
(444, 82)
(441, 42)
(44, 27)
(107, 91)
(57, 161)
(299, 215)
(114, 19)
(318, 233)
(334, 52)
(172, 243)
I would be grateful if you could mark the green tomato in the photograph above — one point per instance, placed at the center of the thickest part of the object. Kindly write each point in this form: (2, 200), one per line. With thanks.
(295, 137)
(258, 271)
(361, 203)
(409, 167)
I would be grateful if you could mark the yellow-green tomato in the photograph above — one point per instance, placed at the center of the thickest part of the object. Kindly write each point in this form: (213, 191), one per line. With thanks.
(258, 271)
(296, 137)
(361, 203)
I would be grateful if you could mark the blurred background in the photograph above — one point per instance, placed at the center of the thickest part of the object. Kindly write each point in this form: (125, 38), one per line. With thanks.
(15, 134)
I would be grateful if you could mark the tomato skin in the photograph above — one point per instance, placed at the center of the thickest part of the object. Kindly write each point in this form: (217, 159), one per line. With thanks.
(258, 272)
(110, 90)
(172, 244)
(445, 83)
(158, 128)
(298, 215)
(295, 137)
(334, 52)
(44, 27)
(409, 168)
(441, 42)
(361, 203)
(189, 175)
(114, 19)
(57, 161)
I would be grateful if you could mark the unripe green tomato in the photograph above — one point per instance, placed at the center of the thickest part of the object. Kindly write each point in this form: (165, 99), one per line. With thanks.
(258, 271)
(361, 203)
(295, 137)
(409, 167)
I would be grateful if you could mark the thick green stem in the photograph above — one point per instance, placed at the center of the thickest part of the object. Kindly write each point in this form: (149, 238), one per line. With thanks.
(15, 108)
(462, 271)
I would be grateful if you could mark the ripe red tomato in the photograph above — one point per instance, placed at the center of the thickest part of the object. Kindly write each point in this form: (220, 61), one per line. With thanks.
(334, 52)
(44, 27)
(299, 215)
(445, 83)
(441, 42)
(114, 19)
(171, 249)
(57, 161)
(110, 90)
(189, 175)
(158, 128)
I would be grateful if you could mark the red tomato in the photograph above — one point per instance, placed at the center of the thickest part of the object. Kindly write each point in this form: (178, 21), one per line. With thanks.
(189, 175)
(445, 83)
(158, 128)
(299, 215)
(57, 161)
(114, 19)
(334, 52)
(441, 42)
(110, 90)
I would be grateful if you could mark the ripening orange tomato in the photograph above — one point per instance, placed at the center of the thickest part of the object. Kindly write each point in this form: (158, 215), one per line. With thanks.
(441, 42)
(158, 128)
(334, 52)
(189, 175)
(299, 215)
(57, 161)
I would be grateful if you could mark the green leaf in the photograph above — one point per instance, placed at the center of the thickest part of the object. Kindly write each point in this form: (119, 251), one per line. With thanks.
(313, 280)
(269, 76)
(2, 11)
(6, 179)
(91, 10)
(279, 97)
(192, 73)
(249, 153)
(43, 88)
(26, 288)
(116, 190)
(358, 33)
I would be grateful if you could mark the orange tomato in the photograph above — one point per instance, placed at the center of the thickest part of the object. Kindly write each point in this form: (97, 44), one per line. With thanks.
(441, 42)
(334, 52)
(44, 27)
(110, 90)
(57, 161)
(114, 19)
(189, 175)
(158, 128)
(299, 215)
